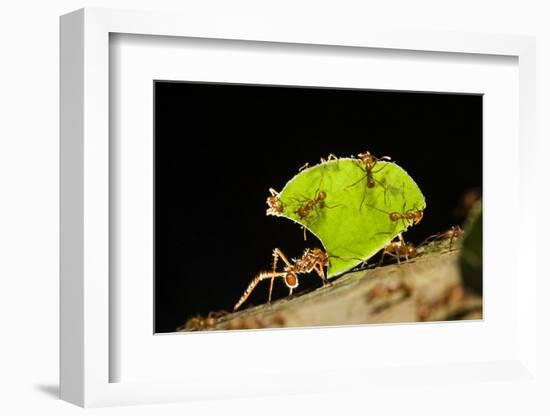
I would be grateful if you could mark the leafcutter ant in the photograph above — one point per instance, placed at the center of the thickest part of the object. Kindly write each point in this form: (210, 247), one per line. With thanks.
(274, 204)
(199, 323)
(311, 260)
(398, 249)
(408, 217)
(453, 233)
(307, 206)
(367, 162)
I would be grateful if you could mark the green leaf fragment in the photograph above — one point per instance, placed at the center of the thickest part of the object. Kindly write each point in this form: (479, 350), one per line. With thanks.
(353, 220)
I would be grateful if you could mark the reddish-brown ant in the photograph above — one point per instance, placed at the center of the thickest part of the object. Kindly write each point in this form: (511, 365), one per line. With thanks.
(410, 216)
(199, 323)
(313, 205)
(453, 233)
(398, 249)
(274, 204)
(312, 260)
(367, 162)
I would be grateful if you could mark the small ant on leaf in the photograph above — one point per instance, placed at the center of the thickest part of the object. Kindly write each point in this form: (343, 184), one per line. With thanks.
(312, 260)
(274, 204)
(408, 217)
(318, 201)
(367, 162)
(313, 205)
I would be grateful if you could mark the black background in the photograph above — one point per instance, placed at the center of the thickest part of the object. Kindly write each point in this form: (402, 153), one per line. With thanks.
(220, 147)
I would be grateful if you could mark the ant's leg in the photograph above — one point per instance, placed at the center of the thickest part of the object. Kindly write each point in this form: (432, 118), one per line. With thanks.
(428, 239)
(363, 199)
(381, 159)
(397, 256)
(282, 257)
(254, 283)
(379, 170)
(404, 199)
(377, 209)
(304, 166)
(385, 190)
(403, 244)
(360, 179)
(275, 260)
(301, 201)
(316, 215)
(355, 183)
(277, 254)
(305, 234)
(382, 257)
(319, 269)
(329, 158)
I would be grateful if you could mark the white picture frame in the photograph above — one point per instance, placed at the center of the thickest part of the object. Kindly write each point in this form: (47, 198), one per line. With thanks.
(86, 355)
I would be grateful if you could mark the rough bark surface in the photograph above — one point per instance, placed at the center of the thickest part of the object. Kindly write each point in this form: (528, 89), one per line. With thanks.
(426, 288)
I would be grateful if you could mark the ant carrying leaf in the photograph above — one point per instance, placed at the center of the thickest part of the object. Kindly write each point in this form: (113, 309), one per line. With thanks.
(312, 260)
(329, 199)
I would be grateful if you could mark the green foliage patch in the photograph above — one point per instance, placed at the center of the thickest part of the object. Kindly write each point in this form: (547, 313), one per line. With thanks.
(332, 201)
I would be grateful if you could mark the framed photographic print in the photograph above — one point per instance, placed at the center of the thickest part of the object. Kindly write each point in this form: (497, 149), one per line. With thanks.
(293, 197)
(243, 140)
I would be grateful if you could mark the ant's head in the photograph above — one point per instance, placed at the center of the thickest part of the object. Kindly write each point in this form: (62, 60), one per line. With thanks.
(365, 156)
(275, 206)
(291, 280)
(320, 255)
(321, 195)
(394, 216)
